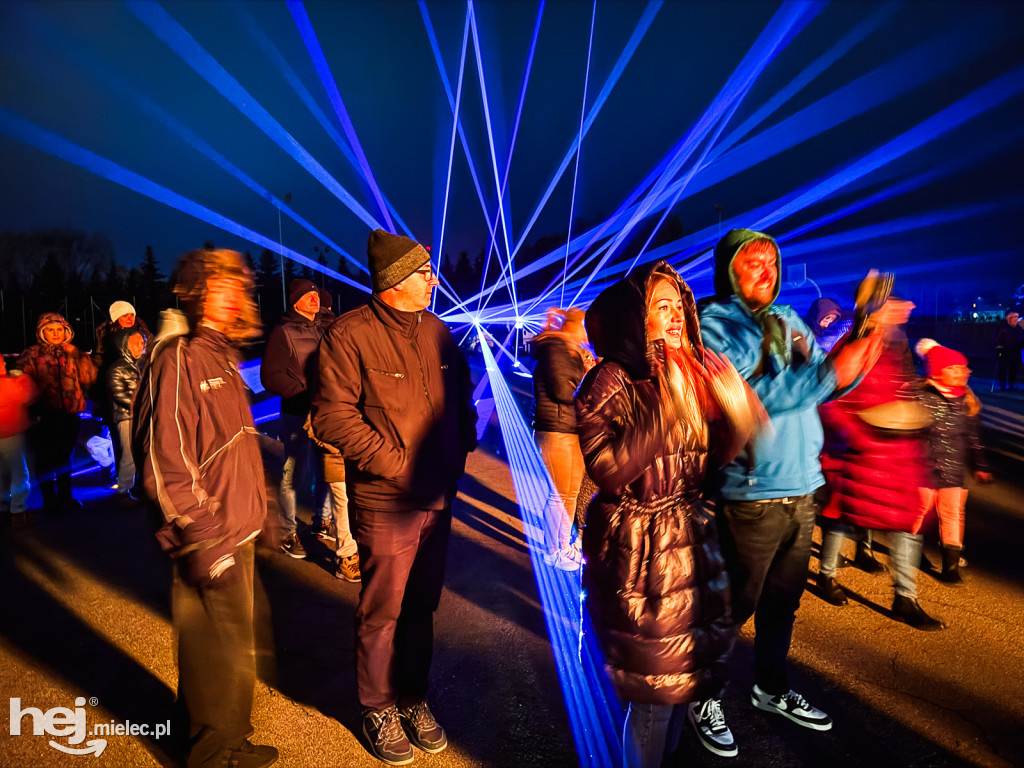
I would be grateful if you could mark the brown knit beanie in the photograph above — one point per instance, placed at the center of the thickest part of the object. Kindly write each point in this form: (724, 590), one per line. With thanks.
(392, 258)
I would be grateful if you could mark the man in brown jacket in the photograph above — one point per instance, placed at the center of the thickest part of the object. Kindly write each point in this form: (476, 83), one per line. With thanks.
(394, 398)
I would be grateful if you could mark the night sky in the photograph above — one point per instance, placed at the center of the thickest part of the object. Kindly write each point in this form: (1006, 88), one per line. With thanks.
(148, 88)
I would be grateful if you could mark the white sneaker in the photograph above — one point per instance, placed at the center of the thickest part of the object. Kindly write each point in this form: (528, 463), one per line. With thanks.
(577, 551)
(791, 705)
(564, 560)
(708, 721)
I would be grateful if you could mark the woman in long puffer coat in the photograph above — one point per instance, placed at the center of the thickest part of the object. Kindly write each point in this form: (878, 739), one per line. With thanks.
(651, 415)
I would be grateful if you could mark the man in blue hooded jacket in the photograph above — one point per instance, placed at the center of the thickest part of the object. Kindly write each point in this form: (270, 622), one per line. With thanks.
(766, 505)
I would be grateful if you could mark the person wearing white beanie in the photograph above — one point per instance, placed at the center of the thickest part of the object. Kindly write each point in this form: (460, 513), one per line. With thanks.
(122, 313)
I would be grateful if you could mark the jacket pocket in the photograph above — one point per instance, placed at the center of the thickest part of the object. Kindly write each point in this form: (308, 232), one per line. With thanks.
(386, 389)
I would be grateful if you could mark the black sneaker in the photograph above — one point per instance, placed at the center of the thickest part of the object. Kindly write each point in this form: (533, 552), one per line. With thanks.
(292, 547)
(708, 721)
(387, 740)
(424, 731)
(322, 530)
(791, 705)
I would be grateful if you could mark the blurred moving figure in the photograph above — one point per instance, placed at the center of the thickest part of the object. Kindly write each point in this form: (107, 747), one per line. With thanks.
(63, 374)
(954, 448)
(203, 468)
(825, 319)
(874, 464)
(562, 362)
(1008, 340)
(653, 414)
(17, 392)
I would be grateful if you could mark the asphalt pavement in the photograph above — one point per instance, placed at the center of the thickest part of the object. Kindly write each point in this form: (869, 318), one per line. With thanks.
(85, 615)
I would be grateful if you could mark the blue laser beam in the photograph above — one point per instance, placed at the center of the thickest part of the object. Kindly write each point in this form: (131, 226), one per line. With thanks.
(275, 56)
(632, 44)
(451, 146)
(595, 715)
(187, 47)
(884, 84)
(579, 147)
(446, 83)
(52, 144)
(511, 149)
(323, 69)
(120, 85)
(487, 122)
(790, 19)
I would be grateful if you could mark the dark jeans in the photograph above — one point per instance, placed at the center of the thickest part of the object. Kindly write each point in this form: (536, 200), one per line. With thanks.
(767, 548)
(216, 660)
(402, 558)
(1007, 362)
(52, 440)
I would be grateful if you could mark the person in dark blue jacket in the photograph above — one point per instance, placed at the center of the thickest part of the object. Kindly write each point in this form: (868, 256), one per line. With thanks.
(288, 368)
(766, 503)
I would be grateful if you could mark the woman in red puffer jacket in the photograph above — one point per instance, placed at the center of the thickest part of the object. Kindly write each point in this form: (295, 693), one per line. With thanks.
(874, 461)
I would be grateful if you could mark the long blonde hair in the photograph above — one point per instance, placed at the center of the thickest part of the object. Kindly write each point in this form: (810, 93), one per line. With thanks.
(680, 379)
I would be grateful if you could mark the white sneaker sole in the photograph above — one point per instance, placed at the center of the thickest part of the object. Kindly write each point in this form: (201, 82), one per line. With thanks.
(805, 723)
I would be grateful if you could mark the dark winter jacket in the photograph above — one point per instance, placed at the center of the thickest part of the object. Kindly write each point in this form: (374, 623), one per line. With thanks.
(122, 376)
(559, 371)
(1008, 337)
(289, 362)
(954, 442)
(653, 577)
(202, 462)
(783, 460)
(62, 372)
(395, 398)
(104, 352)
(874, 474)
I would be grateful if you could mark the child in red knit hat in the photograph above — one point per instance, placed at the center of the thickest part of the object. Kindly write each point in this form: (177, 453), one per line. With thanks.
(954, 448)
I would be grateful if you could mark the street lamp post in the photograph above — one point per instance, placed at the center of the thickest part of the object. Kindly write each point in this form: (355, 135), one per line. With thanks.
(280, 241)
